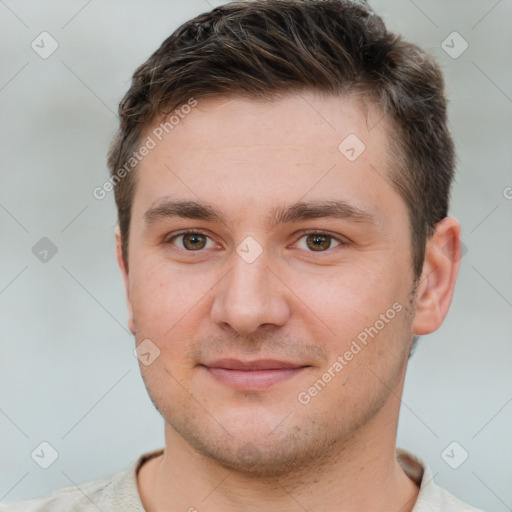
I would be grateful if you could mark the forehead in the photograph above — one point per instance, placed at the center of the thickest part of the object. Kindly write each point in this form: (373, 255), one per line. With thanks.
(303, 144)
(300, 118)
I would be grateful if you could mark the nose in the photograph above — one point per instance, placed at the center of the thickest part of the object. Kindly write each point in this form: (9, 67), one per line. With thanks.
(250, 296)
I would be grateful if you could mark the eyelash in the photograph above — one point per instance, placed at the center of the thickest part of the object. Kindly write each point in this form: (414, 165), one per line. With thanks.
(169, 240)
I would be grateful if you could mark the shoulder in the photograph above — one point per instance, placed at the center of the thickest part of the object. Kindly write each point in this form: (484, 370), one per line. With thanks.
(85, 497)
(431, 497)
(443, 500)
(118, 491)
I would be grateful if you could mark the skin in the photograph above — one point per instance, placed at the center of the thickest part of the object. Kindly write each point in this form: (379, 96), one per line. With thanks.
(230, 449)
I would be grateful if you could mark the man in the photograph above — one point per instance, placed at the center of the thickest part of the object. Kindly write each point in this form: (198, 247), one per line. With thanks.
(282, 174)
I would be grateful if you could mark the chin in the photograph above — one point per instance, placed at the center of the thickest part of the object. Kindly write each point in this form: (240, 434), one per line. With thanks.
(272, 460)
(253, 448)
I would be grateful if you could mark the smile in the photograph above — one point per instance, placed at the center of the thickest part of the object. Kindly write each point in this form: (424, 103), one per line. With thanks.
(253, 375)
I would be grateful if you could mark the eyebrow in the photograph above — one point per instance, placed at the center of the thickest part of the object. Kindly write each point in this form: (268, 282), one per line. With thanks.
(300, 211)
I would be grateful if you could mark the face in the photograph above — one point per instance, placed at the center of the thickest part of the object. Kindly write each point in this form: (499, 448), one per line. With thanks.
(270, 273)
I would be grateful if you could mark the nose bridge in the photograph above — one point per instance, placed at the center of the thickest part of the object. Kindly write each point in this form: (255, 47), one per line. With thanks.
(249, 295)
(251, 276)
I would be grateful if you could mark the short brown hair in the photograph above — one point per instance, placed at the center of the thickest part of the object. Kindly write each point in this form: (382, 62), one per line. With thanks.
(264, 49)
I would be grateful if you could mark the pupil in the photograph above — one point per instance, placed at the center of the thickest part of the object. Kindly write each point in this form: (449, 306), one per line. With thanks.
(194, 241)
(320, 242)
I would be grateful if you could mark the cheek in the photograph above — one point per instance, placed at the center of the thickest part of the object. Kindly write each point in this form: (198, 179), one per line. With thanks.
(362, 317)
(366, 358)
(161, 295)
(347, 299)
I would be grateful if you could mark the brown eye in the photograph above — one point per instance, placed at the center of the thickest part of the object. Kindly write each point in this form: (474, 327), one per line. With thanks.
(191, 241)
(318, 242)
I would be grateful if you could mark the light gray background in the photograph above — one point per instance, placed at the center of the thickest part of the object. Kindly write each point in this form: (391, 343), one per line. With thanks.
(67, 372)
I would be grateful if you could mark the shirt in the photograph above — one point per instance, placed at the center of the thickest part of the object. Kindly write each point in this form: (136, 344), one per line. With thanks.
(119, 492)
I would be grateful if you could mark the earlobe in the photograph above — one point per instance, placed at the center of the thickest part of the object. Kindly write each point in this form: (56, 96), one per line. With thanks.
(437, 282)
(124, 272)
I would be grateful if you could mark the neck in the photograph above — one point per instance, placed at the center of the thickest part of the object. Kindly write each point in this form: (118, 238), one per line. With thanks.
(361, 474)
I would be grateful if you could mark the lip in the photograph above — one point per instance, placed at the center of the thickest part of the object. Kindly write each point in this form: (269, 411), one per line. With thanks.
(257, 364)
(255, 375)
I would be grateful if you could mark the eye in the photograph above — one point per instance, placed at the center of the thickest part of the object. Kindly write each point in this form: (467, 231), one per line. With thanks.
(318, 242)
(190, 241)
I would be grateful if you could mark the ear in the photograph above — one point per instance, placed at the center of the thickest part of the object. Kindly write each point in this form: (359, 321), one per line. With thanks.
(124, 272)
(437, 282)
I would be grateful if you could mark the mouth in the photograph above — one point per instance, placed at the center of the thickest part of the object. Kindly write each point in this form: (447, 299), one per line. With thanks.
(257, 375)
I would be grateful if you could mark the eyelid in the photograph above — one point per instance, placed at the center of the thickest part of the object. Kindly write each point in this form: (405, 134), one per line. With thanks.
(168, 240)
(338, 238)
(175, 234)
(299, 235)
